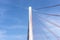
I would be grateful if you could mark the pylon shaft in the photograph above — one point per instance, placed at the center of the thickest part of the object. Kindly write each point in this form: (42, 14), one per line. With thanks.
(30, 24)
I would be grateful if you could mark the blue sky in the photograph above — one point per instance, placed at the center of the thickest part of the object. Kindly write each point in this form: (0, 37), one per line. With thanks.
(10, 21)
(14, 19)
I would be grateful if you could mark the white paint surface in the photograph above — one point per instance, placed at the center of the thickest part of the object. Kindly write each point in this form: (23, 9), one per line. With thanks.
(30, 24)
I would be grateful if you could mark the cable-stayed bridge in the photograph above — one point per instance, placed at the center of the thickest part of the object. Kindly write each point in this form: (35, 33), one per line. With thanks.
(43, 26)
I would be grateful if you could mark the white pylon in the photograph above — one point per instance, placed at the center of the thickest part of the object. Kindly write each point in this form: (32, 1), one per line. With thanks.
(30, 24)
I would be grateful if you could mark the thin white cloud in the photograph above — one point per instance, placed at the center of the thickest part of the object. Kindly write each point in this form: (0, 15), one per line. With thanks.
(2, 34)
(16, 37)
(17, 27)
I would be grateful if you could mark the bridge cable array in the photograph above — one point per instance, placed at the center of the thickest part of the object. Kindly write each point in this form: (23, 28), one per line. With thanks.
(48, 7)
(47, 28)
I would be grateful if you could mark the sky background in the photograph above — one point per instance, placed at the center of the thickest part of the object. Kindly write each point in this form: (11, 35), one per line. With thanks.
(14, 19)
